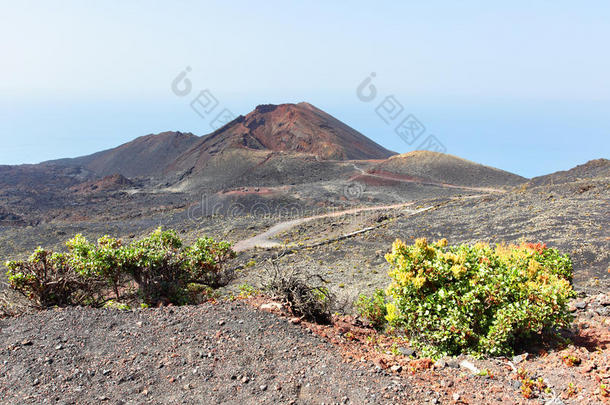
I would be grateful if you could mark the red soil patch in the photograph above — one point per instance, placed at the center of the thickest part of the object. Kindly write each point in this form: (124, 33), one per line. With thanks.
(254, 190)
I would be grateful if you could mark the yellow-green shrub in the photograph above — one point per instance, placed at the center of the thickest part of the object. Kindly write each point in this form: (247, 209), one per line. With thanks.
(476, 298)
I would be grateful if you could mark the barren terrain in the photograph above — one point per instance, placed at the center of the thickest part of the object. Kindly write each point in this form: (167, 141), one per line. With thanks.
(265, 184)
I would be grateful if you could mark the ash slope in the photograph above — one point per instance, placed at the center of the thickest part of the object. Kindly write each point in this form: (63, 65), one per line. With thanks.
(436, 167)
(598, 168)
(146, 156)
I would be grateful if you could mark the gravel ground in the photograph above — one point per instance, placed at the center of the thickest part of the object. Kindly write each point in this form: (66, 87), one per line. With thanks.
(212, 353)
(231, 352)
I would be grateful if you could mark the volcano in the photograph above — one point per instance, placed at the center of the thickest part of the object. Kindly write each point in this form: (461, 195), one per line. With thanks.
(291, 128)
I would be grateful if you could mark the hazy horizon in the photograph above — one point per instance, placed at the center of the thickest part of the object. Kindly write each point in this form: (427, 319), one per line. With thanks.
(521, 87)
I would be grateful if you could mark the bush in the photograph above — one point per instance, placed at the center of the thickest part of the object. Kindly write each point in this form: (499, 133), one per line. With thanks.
(103, 260)
(47, 279)
(300, 293)
(160, 265)
(477, 299)
(373, 308)
(163, 267)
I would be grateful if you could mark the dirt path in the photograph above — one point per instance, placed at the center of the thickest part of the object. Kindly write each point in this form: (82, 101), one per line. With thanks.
(428, 183)
(265, 239)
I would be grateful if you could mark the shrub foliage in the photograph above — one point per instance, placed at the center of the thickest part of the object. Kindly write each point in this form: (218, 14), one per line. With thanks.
(477, 298)
(160, 264)
(47, 279)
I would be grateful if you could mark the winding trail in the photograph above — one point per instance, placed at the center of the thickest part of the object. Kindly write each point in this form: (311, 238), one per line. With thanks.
(265, 239)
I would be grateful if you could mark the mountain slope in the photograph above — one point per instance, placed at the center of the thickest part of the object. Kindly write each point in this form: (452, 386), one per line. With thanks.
(148, 155)
(592, 169)
(442, 168)
(294, 128)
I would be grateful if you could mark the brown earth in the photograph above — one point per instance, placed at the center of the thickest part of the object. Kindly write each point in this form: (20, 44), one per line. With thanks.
(298, 128)
(231, 352)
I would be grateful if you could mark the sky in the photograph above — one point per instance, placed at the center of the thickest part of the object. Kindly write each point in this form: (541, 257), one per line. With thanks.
(523, 86)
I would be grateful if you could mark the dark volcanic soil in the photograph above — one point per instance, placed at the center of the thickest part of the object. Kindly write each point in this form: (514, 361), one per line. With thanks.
(230, 352)
(212, 354)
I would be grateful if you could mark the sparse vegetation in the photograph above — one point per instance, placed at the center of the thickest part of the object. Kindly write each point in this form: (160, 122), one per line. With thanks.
(301, 293)
(47, 279)
(373, 308)
(161, 266)
(246, 290)
(474, 299)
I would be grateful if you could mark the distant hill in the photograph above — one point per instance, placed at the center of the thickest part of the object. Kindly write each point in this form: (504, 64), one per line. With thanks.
(41, 177)
(107, 183)
(148, 155)
(590, 170)
(292, 128)
(442, 168)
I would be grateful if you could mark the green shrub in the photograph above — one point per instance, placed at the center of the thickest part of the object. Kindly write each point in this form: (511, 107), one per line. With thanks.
(103, 260)
(112, 304)
(160, 265)
(477, 299)
(373, 308)
(47, 279)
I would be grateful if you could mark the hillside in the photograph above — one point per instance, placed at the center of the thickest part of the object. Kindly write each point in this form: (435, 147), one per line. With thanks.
(148, 155)
(436, 167)
(598, 168)
(295, 128)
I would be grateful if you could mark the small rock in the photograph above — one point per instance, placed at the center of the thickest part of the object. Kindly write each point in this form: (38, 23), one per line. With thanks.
(245, 380)
(441, 363)
(518, 359)
(469, 366)
(188, 386)
(453, 363)
(295, 321)
(456, 396)
(396, 368)
(26, 343)
(580, 305)
(220, 323)
(263, 387)
(59, 347)
(106, 372)
(271, 306)
(406, 351)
